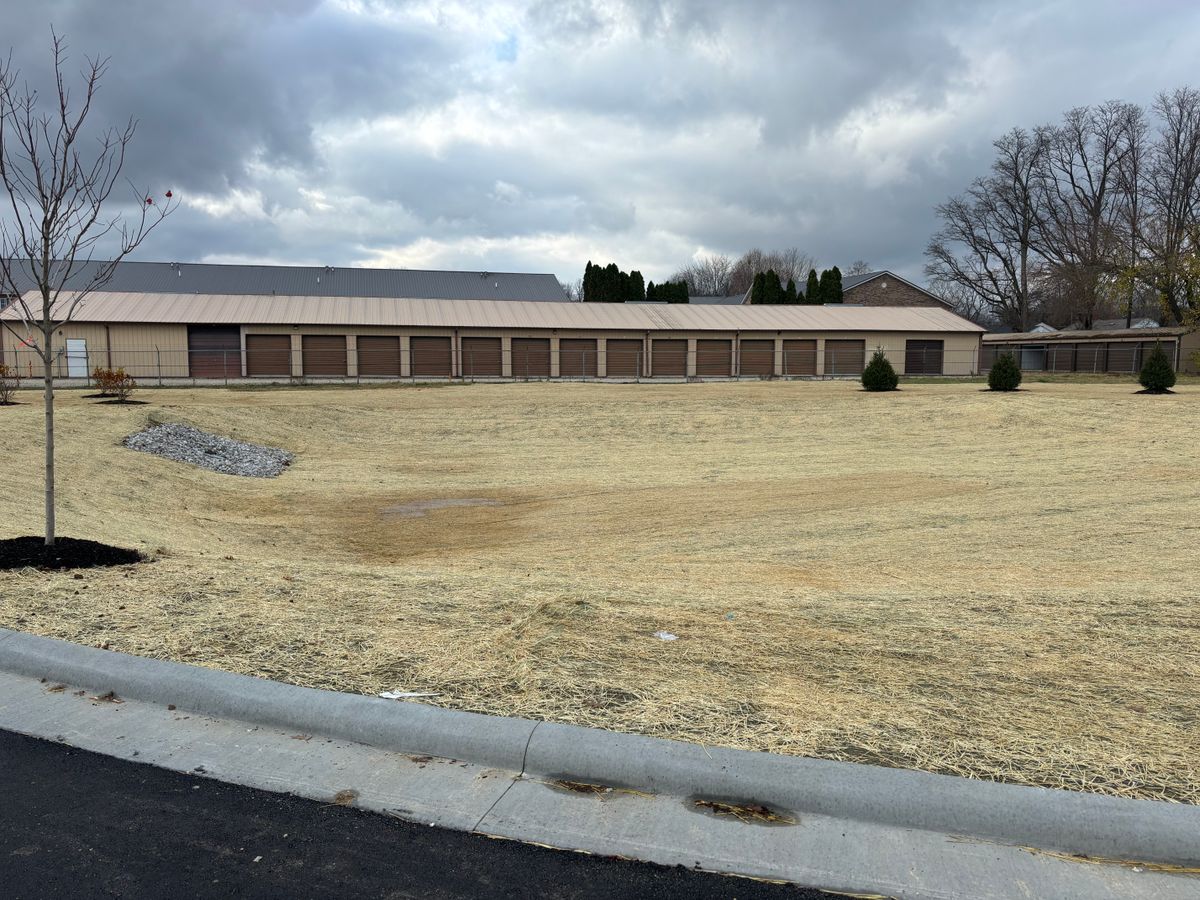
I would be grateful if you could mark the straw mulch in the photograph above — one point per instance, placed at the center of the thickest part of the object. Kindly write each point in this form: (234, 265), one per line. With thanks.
(996, 587)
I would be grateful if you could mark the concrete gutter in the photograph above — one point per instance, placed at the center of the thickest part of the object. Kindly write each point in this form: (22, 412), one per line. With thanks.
(1059, 821)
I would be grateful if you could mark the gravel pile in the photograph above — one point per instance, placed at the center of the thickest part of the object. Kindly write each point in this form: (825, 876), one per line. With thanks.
(210, 451)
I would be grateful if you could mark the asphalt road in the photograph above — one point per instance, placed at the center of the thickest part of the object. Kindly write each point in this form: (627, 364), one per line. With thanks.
(77, 824)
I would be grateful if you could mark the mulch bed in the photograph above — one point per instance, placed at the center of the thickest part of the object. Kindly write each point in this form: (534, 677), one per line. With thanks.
(122, 402)
(67, 553)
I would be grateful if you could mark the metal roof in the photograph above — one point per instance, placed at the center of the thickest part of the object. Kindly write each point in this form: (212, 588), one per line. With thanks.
(731, 300)
(510, 314)
(317, 281)
(1059, 337)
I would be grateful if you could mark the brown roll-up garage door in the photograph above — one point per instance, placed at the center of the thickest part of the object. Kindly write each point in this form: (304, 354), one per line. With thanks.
(430, 356)
(757, 358)
(799, 357)
(845, 357)
(668, 358)
(1124, 356)
(923, 357)
(214, 351)
(268, 354)
(714, 358)
(1091, 358)
(1060, 357)
(324, 354)
(481, 356)
(378, 356)
(577, 357)
(531, 357)
(623, 357)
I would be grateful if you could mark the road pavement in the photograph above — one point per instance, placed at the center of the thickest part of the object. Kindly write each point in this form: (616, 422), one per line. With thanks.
(78, 824)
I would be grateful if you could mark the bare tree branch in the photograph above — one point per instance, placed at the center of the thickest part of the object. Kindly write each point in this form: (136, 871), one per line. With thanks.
(57, 192)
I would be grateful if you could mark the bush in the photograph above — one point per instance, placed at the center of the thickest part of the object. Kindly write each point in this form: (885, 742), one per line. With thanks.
(114, 383)
(1157, 376)
(1005, 374)
(879, 374)
(10, 380)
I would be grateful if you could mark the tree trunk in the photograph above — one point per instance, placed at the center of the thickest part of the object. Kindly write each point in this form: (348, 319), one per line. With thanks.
(48, 395)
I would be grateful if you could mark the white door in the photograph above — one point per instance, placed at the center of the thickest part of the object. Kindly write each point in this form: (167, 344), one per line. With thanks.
(77, 361)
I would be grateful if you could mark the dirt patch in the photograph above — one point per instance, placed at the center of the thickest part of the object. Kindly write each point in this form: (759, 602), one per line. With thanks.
(415, 509)
(67, 553)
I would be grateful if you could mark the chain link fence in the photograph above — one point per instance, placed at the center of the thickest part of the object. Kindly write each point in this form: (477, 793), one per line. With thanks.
(436, 358)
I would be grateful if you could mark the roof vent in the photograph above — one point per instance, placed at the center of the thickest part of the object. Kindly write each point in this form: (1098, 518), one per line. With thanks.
(485, 274)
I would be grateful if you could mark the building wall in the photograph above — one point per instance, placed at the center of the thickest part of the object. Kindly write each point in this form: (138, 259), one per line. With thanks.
(1186, 359)
(961, 351)
(146, 351)
(887, 291)
(1189, 353)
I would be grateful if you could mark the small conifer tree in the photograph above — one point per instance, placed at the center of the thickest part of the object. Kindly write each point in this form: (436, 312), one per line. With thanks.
(1005, 374)
(1157, 376)
(879, 375)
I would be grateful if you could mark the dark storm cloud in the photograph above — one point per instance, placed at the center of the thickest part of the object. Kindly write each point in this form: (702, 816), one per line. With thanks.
(536, 135)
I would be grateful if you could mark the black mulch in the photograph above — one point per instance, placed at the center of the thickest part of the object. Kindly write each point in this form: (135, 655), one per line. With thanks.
(122, 402)
(67, 553)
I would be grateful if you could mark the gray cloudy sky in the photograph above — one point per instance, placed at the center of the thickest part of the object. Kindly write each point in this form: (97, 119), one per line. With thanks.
(537, 135)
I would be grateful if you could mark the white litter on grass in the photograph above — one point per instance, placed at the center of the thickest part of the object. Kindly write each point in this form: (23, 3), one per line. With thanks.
(664, 636)
(404, 695)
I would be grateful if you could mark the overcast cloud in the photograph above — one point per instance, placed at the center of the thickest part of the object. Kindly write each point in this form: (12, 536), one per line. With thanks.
(534, 136)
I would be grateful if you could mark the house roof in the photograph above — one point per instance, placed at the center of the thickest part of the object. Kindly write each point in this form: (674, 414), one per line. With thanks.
(1059, 337)
(850, 282)
(1113, 325)
(512, 314)
(318, 281)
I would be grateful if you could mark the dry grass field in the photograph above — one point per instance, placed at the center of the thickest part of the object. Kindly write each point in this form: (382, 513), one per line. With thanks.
(1003, 587)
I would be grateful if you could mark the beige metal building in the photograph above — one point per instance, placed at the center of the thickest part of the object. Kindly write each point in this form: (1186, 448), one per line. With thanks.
(225, 336)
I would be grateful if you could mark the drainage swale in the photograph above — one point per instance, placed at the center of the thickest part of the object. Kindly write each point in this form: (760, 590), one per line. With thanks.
(416, 508)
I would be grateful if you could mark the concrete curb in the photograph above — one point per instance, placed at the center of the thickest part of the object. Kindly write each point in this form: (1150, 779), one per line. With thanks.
(1063, 821)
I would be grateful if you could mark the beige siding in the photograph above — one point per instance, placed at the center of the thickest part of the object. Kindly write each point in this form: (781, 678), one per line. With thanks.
(141, 350)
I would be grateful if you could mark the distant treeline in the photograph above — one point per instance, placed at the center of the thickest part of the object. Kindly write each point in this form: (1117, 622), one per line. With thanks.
(767, 288)
(608, 284)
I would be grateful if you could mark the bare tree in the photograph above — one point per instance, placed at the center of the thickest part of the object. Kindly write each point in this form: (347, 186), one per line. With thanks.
(858, 267)
(987, 234)
(791, 263)
(1170, 226)
(708, 276)
(573, 289)
(57, 188)
(1080, 231)
(966, 303)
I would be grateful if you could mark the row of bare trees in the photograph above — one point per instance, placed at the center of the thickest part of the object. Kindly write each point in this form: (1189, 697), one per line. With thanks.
(718, 275)
(1096, 215)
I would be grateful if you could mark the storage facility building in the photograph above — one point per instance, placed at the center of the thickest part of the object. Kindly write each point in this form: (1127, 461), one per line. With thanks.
(1108, 351)
(224, 336)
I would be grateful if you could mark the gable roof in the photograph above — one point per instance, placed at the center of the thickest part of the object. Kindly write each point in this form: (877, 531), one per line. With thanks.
(850, 282)
(226, 309)
(319, 281)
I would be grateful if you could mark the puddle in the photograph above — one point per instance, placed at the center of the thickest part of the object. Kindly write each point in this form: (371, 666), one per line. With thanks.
(414, 509)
